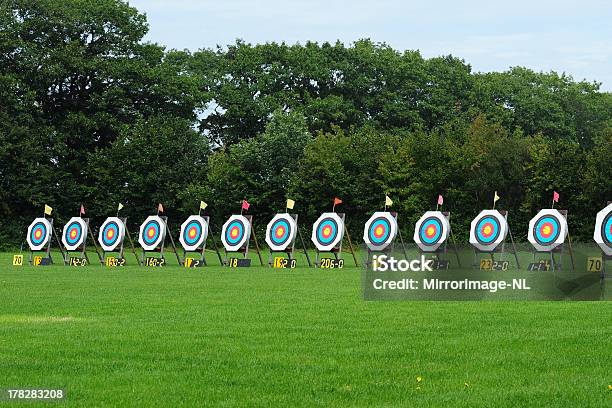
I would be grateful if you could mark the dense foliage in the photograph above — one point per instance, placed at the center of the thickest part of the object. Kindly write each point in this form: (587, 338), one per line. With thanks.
(92, 114)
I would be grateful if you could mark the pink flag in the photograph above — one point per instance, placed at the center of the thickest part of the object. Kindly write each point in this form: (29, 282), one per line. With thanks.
(245, 205)
(82, 210)
(555, 197)
(440, 199)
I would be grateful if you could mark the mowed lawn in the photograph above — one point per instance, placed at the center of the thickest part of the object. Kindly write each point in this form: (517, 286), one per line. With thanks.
(263, 337)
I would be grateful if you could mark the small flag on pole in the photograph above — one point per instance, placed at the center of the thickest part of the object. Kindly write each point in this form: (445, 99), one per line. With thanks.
(495, 199)
(555, 197)
(336, 202)
(388, 201)
(290, 204)
(245, 205)
(48, 210)
(440, 199)
(160, 208)
(82, 212)
(203, 205)
(119, 207)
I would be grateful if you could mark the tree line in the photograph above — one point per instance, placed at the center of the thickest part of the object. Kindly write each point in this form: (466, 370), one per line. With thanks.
(92, 114)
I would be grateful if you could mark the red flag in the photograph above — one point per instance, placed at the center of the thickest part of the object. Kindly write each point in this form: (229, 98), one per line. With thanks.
(555, 197)
(160, 208)
(337, 201)
(440, 199)
(245, 205)
(82, 210)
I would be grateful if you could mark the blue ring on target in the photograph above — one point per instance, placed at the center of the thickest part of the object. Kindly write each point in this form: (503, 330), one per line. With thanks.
(69, 239)
(384, 223)
(111, 225)
(606, 230)
(332, 235)
(151, 240)
(239, 236)
(494, 234)
(192, 224)
(554, 222)
(425, 225)
(275, 238)
(43, 235)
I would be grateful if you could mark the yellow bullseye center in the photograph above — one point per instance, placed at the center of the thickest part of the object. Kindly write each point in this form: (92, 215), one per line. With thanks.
(110, 233)
(234, 232)
(73, 234)
(326, 231)
(487, 230)
(430, 231)
(546, 230)
(378, 231)
(192, 233)
(151, 233)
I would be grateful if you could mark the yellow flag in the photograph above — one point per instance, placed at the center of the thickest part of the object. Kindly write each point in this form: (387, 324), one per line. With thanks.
(119, 207)
(495, 198)
(203, 205)
(388, 201)
(48, 210)
(290, 203)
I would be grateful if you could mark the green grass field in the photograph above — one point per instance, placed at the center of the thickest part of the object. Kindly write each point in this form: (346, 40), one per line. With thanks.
(263, 337)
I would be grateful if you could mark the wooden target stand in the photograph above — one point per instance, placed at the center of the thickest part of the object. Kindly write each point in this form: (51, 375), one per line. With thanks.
(443, 263)
(290, 252)
(48, 259)
(106, 259)
(337, 250)
(390, 248)
(82, 250)
(501, 248)
(202, 250)
(560, 249)
(161, 260)
(244, 250)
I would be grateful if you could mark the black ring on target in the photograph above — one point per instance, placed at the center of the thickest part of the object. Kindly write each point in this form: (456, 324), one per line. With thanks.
(606, 230)
(546, 229)
(280, 232)
(430, 232)
(234, 233)
(487, 230)
(73, 233)
(110, 233)
(192, 232)
(327, 231)
(379, 231)
(151, 232)
(38, 234)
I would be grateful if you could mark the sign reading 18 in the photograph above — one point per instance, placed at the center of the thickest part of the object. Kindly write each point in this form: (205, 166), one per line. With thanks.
(330, 263)
(154, 262)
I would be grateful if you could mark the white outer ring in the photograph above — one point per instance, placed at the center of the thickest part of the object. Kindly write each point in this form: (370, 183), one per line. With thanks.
(84, 233)
(203, 236)
(160, 238)
(597, 234)
(444, 234)
(46, 240)
(562, 233)
(120, 233)
(503, 227)
(339, 236)
(392, 233)
(246, 236)
(291, 221)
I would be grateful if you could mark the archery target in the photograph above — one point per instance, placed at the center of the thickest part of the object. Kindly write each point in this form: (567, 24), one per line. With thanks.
(281, 231)
(39, 234)
(488, 230)
(236, 233)
(152, 233)
(327, 231)
(603, 230)
(74, 234)
(111, 234)
(431, 231)
(380, 230)
(547, 230)
(194, 232)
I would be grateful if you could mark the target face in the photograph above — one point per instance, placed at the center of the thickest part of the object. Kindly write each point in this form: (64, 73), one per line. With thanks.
(488, 230)
(380, 231)
(74, 234)
(194, 232)
(39, 234)
(152, 233)
(431, 231)
(327, 231)
(111, 234)
(281, 232)
(547, 230)
(236, 233)
(603, 230)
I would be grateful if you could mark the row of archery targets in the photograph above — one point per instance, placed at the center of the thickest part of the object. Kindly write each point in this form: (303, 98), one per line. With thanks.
(489, 233)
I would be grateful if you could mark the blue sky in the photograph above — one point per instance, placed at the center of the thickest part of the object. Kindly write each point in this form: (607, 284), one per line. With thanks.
(565, 36)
